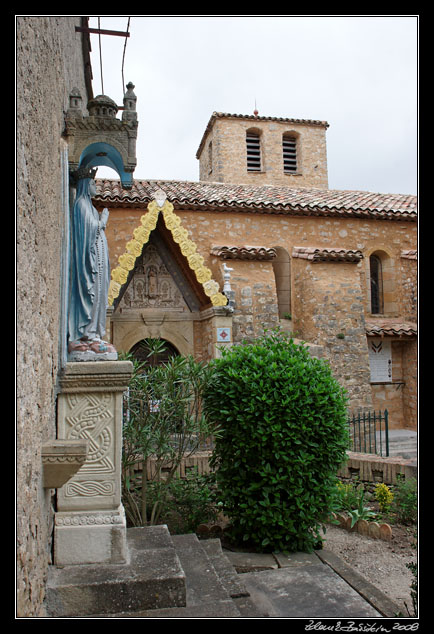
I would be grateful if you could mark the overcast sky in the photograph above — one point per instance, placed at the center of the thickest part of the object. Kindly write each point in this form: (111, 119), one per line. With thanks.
(358, 73)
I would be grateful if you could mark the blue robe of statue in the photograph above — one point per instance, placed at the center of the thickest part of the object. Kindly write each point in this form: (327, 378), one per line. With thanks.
(90, 270)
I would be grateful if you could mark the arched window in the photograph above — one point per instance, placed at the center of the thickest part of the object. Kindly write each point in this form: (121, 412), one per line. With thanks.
(289, 149)
(253, 146)
(141, 351)
(210, 157)
(376, 273)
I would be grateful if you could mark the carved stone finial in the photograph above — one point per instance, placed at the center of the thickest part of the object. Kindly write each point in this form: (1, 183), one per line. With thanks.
(129, 113)
(160, 197)
(227, 276)
(102, 106)
(75, 104)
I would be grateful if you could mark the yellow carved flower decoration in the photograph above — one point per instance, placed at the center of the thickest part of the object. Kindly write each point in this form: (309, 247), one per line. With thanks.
(188, 248)
(119, 275)
(203, 274)
(127, 261)
(195, 261)
(134, 247)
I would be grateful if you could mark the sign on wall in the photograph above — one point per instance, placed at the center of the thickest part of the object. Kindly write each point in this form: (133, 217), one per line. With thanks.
(224, 335)
(380, 360)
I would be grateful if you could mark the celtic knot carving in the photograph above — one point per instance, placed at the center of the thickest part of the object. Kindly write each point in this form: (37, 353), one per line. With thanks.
(90, 417)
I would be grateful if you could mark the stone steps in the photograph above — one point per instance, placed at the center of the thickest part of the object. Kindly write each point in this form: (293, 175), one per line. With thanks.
(176, 576)
(402, 442)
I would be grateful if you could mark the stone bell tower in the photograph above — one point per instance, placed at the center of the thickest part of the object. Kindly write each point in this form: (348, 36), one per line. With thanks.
(254, 150)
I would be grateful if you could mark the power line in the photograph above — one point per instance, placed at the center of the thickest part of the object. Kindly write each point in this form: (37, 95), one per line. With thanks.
(123, 57)
(100, 56)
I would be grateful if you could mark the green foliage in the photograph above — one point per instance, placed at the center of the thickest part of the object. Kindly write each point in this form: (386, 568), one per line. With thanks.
(350, 497)
(412, 566)
(347, 496)
(361, 512)
(163, 423)
(283, 435)
(186, 502)
(404, 505)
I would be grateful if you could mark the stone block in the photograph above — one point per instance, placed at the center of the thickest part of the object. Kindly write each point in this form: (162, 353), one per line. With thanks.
(90, 524)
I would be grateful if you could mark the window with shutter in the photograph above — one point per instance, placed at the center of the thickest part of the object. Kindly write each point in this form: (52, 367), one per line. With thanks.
(253, 144)
(289, 146)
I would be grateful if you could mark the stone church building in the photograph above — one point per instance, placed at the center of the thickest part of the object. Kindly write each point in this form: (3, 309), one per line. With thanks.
(338, 269)
(257, 241)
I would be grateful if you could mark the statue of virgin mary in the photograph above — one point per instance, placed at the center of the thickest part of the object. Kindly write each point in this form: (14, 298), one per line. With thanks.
(89, 276)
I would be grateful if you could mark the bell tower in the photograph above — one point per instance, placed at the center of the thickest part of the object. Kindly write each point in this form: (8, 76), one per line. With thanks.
(249, 149)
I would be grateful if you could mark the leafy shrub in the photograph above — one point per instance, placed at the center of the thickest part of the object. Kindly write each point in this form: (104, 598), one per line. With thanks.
(384, 496)
(404, 504)
(190, 501)
(283, 435)
(347, 496)
(163, 423)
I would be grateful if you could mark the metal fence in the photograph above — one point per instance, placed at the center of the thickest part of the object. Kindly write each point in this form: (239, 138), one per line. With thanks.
(369, 432)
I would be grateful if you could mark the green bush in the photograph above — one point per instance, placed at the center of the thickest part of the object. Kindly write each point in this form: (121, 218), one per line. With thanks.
(188, 502)
(404, 505)
(283, 436)
(163, 424)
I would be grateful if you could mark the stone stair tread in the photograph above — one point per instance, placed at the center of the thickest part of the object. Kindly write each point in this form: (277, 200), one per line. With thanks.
(227, 574)
(203, 584)
(152, 578)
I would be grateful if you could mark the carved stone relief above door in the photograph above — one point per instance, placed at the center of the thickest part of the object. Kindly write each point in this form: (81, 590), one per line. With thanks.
(152, 285)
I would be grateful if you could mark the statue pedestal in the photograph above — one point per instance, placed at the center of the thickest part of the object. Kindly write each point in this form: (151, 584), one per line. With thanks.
(90, 525)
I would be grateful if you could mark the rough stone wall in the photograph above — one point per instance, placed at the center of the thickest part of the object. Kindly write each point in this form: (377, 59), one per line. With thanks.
(49, 65)
(328, 311)
(256, 310)
(229, 156)
(408, 288)
(390, 396)
(409, 365)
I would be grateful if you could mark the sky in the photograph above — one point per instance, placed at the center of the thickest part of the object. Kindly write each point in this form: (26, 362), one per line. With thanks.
(358, 73)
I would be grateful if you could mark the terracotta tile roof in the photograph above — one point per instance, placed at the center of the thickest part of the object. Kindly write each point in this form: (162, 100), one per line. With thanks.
(204, 196)
(244, 252)
(225, 115)
(328, 254)
(390, 327)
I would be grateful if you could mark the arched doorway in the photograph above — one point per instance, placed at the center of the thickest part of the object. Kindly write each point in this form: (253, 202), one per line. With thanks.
(142, 351)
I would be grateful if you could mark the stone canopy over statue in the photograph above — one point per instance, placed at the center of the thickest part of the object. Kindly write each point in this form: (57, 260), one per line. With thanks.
(89, 276)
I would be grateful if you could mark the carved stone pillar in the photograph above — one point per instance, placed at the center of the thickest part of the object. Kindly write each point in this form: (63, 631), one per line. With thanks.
(90, 524)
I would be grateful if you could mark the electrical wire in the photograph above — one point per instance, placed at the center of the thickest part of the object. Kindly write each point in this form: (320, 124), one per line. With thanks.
(123, 58)
(100, 57)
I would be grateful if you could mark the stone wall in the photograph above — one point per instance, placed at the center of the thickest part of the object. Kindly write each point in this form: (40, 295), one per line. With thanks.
(327, 310)
(49, 64)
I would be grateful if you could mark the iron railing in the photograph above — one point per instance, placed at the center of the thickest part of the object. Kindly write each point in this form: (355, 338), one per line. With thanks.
(369, 432)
